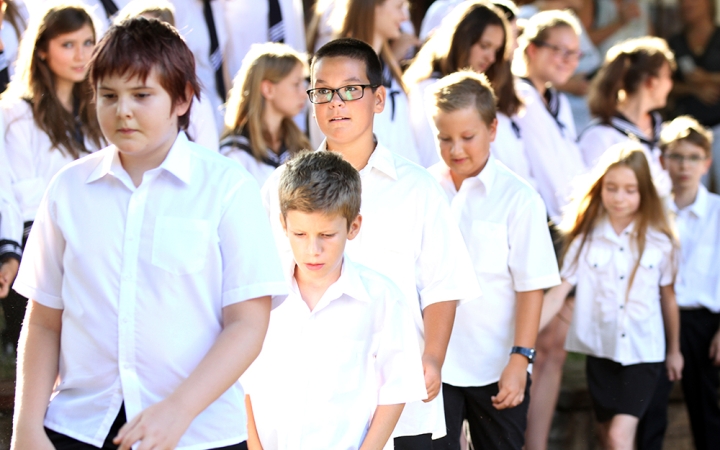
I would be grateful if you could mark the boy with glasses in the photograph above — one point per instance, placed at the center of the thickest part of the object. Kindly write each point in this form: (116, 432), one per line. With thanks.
(408, 233)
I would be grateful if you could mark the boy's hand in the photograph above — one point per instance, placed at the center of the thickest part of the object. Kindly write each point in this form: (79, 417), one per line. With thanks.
(715, 349)
(433, 382)
(8, 272)
(512, 383)
(160, 427)
(674, 364)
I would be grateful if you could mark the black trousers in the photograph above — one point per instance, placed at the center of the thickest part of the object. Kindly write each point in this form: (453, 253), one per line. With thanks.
(419, 442)
(490, 428)
(63, 442)
(701, 379)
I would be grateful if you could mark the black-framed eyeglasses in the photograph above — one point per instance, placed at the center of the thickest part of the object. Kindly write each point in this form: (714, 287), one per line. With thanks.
(346, 93)
(562, 51)
(679, 159)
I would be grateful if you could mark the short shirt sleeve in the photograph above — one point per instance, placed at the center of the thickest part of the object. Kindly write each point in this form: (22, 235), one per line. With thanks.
(251, 266)
(40, 276)
(571, 262)
(532, 258)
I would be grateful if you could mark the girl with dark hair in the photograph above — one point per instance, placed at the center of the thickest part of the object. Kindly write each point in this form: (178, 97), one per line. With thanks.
(633, 83)
(49, 116)
(477, 35)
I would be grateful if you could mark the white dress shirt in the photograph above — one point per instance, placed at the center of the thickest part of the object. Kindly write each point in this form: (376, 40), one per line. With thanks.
(10, 40)
(409, 236)
(322, 373)
(606, 324)
(551, 151)
(142, 275)
(598, 137)
(247, 24)
(11, 223)
(202, 128)
(392, 126)
(436, 13)
(504, 224)
(698, 280)
(190, 22)
(32, 159)
(95, 8)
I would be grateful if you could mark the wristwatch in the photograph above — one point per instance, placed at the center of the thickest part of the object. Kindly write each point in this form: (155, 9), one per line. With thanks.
(529, 353)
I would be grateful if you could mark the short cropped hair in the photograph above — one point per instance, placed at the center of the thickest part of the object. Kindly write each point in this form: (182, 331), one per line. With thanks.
(136, 46)
(464, 89)
(686, 128)
(353, 49)
(320, 181)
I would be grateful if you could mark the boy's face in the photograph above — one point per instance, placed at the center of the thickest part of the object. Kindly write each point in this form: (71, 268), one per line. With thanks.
(464, 140)
(318, 242)
(344, 121)
(138, 117)
(686, 163)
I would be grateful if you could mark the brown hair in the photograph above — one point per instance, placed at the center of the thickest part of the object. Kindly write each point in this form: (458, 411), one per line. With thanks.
(136, 46)
(587, 208)
(320, 181)
(686, 128)
(626, 67)
(359, 23)
(448, 50)
(13, 16)
(35, 81)
(465, 89)
(245, 106)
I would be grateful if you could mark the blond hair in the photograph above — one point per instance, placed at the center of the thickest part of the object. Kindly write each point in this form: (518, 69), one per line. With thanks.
(162, 10)
(320, 181)
(245, 105)
(537, 30)
(466, 89)
(686, 128)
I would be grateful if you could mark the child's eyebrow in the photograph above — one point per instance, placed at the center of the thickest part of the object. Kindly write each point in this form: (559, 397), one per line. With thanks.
(355, 79)
(133, 88)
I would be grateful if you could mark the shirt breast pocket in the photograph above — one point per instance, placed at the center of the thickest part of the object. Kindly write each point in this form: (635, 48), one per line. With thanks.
(180, 246)
(702, 259)
(492, 249)
(648, 274)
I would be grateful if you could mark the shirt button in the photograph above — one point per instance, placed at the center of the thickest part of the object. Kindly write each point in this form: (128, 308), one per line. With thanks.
(622, 335)
(621, 307)
(621, 249)
(622, 277)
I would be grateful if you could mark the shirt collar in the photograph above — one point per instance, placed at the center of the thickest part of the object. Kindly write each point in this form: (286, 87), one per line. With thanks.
(381, 159)
(177, 161)
(605, 230)
(348, 284)
(698, 207)
(488, 174)
(486, 177)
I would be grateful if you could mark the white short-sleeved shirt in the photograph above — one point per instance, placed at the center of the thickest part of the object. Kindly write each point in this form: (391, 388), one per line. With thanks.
(698, 280)
(434, 16)
(95, 7)
(550, 147)
(165, 258)
(247, 24)
(11, 224)
(190, 22)
(598, 137)
(504, 224)
(322, 373)
(604, 323)
(32, 159)
(408, 235)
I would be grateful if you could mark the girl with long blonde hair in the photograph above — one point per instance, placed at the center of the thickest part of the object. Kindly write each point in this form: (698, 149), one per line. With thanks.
(267, 93)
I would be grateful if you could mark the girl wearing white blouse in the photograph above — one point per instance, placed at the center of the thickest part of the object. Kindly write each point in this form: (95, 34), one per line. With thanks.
(267, 93)
(633, 83)
(620, 253)
(49, 117)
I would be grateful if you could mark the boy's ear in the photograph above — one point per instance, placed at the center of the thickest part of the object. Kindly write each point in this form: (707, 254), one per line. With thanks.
(663, 161)
(492, 128)
(182, 106)
(354, 227)
(379, 99)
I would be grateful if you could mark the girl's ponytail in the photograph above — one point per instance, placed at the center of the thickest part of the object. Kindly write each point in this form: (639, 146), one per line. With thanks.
(605, 88)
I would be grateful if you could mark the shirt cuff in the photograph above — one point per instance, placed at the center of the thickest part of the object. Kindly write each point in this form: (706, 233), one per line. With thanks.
(253, 291)
(537, 283)
(31, 293)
